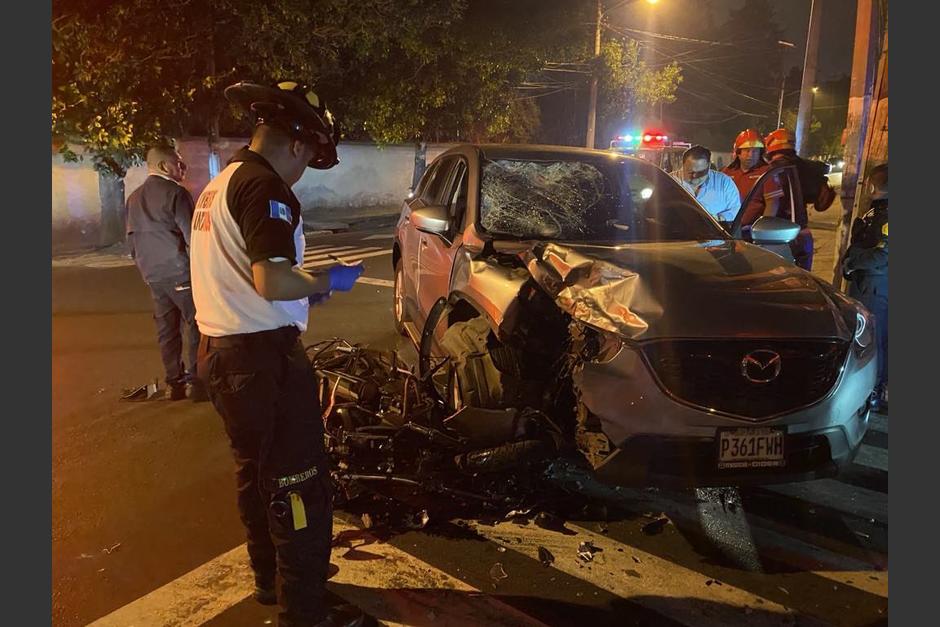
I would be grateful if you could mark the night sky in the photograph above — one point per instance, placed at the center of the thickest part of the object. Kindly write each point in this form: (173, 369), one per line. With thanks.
(838, 31)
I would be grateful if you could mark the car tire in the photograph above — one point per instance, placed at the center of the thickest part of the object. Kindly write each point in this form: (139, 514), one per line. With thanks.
(398, 299)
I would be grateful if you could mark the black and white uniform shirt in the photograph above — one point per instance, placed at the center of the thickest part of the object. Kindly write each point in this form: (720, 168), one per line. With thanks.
(246, 214)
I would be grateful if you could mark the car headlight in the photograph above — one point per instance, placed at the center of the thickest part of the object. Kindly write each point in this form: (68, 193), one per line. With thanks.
(864, 340)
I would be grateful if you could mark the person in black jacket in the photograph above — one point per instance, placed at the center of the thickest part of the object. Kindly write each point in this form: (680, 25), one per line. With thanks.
(159, 214)
(865, 265)
(814, 188)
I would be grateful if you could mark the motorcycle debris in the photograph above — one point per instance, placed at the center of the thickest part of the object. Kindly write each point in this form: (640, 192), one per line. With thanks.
(586, 551)
(545, 556)
(656, 527)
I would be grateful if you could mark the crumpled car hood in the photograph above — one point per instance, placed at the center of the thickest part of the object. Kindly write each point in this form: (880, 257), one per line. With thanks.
(685, 290)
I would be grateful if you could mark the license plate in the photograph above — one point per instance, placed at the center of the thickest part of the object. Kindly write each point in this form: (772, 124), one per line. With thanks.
(751, 447)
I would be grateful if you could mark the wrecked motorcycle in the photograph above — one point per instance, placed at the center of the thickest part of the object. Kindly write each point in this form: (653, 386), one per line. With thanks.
(390, 429)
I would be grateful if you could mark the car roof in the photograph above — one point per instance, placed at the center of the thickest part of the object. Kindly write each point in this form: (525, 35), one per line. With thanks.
(536, 152)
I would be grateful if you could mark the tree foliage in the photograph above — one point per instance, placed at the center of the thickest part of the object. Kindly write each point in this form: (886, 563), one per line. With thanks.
(136, 72)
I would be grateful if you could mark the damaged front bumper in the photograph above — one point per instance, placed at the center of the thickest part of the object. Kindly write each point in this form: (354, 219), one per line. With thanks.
(658, 439)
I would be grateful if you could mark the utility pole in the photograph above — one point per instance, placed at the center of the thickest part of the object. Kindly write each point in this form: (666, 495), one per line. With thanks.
(805, 115)
(783, 81)
(860, 95)
(592, 104)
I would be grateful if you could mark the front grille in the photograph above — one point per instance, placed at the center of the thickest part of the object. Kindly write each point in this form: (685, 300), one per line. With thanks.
(708, 373)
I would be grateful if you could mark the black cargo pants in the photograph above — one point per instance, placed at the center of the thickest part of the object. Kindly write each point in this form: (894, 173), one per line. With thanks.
(265, 390)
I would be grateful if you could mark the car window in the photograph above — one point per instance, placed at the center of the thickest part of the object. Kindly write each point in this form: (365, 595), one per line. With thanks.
(426, 178)
(457, 196)
(433, 193)
(589, 199)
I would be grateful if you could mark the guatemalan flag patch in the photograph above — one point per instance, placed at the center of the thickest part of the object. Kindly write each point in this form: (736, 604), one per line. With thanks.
(279, 211)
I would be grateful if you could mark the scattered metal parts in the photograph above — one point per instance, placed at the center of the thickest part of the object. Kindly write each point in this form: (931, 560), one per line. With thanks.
(586, 551)
(545, 556)
(656, 527)
(549, 521)
(498, 573)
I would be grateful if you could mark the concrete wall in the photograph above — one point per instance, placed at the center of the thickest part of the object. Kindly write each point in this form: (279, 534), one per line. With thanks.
(369, 179)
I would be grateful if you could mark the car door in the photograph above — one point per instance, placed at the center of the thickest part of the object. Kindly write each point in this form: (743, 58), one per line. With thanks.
(436, 251)
(410, 238)
(789, 180)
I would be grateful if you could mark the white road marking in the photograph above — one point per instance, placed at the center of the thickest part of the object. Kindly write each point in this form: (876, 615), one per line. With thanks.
(873, 457)
(346, 258)
(661, 584)
(311, 251)
(322, 256)
(380, 236)
(833, 494)
(379, 282)
(877, 422)
(379, 579)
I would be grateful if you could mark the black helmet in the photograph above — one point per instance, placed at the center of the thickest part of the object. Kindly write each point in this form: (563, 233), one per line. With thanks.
(296, 108)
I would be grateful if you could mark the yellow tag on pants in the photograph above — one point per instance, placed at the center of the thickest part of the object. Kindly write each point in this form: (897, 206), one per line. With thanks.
(298, 511)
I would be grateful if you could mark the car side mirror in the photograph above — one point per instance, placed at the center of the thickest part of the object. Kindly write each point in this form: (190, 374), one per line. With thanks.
(433, 219)
(773, 230)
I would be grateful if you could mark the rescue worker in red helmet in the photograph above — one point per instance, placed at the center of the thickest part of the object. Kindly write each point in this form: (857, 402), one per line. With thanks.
(781, 150)
(748, 166)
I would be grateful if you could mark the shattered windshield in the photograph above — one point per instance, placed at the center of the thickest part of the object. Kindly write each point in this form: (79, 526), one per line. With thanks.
(599, 200)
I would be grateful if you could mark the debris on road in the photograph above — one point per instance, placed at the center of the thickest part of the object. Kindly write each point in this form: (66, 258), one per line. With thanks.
(656, 527)
(498, 573)
(112, 549)
(146, 392)
(545, 556)
(419, 521)
(586, 551)
(633, 573)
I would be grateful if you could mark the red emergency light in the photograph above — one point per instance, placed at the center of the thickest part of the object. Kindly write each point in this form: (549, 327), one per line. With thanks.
(655, 138)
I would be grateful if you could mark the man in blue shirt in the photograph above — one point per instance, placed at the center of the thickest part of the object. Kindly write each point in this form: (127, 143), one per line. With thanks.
(715, 191)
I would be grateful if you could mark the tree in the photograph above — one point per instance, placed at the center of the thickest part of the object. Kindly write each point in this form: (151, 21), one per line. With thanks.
(627, 81)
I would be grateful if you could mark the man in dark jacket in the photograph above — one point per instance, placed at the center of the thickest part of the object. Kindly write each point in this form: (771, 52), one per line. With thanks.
(865, 265)
(159, 217)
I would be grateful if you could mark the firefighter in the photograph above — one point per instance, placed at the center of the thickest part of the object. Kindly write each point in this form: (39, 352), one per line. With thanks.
(748, 166)
(780, 146)
(252, 298)
(865, 266)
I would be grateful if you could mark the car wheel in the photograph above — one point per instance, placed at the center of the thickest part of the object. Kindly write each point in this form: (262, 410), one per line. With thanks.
(398, 306)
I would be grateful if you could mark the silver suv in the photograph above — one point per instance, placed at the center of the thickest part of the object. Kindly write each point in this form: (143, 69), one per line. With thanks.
(592, 287)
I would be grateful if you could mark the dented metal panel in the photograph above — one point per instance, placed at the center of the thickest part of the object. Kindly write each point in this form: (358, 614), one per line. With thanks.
(491, 286)
(685, 289)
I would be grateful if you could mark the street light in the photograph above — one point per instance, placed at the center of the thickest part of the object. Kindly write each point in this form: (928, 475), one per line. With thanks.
(815, 89)
(592, 105)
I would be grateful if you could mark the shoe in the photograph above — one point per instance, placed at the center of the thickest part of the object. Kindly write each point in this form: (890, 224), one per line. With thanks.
(176, 392)
(265, 595)
(197, 392)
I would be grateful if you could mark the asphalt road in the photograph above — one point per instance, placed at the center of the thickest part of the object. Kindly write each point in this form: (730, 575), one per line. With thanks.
(145, 529)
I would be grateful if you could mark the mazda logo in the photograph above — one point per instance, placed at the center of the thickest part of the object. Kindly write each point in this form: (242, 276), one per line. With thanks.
(761, 366)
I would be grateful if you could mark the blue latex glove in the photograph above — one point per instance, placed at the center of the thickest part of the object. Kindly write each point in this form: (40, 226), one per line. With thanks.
(342, 277)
